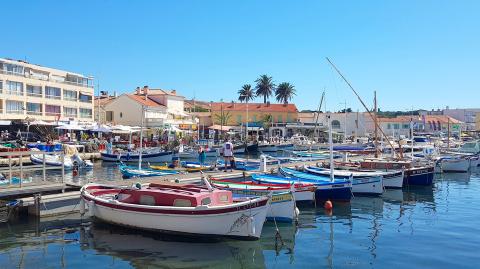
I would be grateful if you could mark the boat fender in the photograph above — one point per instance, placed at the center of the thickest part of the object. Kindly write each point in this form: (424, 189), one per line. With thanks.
(138, 185)
(82, 207)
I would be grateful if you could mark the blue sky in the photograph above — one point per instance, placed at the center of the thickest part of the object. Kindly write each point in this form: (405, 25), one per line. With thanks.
(420, 54)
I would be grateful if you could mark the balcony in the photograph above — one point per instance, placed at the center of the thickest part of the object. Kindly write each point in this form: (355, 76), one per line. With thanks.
(5, 72)
(72, 99)
(34, 94)
(55, 114)
(57, 97)
(88, 84)
(12, 92)
(37, 113)
(16, 112)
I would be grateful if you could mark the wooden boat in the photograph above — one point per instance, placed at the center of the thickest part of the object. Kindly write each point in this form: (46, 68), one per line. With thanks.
(340, 189)
(183, 209)
(456, 164)
(195, 166)
(391, 179)
(421, 175)
(153, 156)
(129, 172)
(282, 206)
(362, 183)
(302, 192)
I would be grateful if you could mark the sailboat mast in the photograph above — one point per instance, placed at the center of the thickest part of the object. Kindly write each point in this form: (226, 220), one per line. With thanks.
(375, 122)
(141, 141)
(330, 144)
(318, 115)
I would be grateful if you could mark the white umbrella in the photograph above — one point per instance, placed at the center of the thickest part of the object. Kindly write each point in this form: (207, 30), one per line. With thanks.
(102, 129)
(70, 127)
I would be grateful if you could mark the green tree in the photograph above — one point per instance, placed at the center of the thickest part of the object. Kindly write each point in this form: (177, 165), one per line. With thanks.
(264, 87)
(246, 93)
(285, 92)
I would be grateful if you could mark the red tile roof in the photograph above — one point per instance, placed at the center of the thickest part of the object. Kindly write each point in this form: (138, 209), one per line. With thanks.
(442, 119)
(141, 99)
(260, 107)
(436, 118)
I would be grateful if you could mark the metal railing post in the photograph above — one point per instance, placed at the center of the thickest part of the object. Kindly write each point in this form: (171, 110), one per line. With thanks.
(21, 168)
(44, 166)
(10, 168)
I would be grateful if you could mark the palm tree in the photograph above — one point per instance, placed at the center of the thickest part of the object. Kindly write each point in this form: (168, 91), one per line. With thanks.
(245, 93)
(264, 87)
(285, 92)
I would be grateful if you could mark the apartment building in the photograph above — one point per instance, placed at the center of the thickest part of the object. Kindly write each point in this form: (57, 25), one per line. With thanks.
(41, 93)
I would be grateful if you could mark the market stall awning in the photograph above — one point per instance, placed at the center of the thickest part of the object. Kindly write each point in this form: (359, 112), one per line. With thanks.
(101, 129)
(71, 127)
(5, 122)
(221, 128)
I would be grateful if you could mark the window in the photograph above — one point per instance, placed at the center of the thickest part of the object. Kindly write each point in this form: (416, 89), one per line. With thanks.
(85, 98)
(13, 69)
(289, 119)
(35, 91)
(254, 118)
(389, 126)
(406, 126)
(396, 126)
(335, 124)
(1, 86)
(85, 113)
(109, 116)
(146, 200)
(206, 201)
(52, 110)
(34, 108)
(280, 118)
(239, 119)
(70, 95)
(14, 87)
(182, 203)
(52, 92)
(70, 112)
(14, 107)
(121, 114)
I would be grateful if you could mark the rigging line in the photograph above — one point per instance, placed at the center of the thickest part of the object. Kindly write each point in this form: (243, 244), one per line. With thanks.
(361, 101)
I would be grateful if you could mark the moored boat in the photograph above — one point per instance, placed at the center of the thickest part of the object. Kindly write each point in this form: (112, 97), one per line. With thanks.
(361, 183)
(155, 156)
(456, 164)
(421, 175)
(282, 206)
(129, 172)
(177, 208)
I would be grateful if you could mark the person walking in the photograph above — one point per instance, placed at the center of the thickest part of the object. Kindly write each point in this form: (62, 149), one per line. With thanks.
(228, 155)
(202, 155)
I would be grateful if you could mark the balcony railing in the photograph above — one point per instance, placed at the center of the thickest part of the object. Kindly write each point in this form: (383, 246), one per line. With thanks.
(2, 71)
(34, 94)
(83, 115)
(19, 93)
(18, 112)
(39, 113)
(73, 99)
(52, 114)
(69, 115)
(58, 97)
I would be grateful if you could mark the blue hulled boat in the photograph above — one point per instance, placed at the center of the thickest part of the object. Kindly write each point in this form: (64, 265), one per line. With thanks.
(340, 190)
(129, 172)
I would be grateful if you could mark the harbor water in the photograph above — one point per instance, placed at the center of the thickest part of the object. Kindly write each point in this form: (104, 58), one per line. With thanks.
(433, 227)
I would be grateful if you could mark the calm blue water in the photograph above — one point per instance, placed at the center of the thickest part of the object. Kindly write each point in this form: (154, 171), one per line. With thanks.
(436, 227)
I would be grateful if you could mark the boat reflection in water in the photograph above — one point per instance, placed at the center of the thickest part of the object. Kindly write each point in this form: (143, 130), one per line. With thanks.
(152, 250)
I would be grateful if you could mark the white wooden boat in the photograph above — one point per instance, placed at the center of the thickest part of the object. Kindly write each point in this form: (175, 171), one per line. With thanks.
(361, 183)
(51, 160)
(282, 207)
(455, 164)
(153, 156)
(177, 208)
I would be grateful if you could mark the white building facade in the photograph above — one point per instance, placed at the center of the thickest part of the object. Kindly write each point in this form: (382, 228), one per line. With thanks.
(29, 91)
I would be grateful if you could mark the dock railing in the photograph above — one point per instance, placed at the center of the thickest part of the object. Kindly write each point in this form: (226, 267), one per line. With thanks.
(15, 164)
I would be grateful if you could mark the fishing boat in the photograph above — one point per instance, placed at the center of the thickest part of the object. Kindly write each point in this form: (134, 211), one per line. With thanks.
(362, 183)
(129, 172)
(51, 159)
(183, 209)
(267, 147)
(304, 192)
(456, 164)
(282, 206)
(153, 156)
(339, 190)
(391, 179)
(414, 174)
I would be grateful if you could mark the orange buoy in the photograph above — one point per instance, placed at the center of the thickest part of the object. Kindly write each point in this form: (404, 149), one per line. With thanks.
(328, 205)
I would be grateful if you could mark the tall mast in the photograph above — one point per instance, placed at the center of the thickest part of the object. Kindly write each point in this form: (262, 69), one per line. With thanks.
(330, 144)
(375, 122)
(318, 115)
